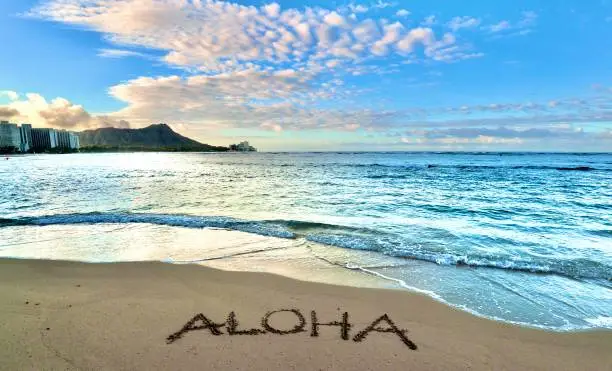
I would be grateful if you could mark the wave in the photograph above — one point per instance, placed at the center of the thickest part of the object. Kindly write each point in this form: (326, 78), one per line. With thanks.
(343, 237)
(188, 221)
(473, 167)
(577, 168)
(574, 268)
(431, 166)
(526, 167)
(597, 322)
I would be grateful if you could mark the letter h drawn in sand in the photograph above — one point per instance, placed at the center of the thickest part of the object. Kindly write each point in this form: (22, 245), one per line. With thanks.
(345, 326)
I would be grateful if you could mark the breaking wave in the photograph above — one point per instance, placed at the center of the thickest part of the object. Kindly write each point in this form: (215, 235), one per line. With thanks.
(343, 237)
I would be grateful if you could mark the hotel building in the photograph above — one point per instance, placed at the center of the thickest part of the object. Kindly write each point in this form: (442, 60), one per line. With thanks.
(10, 138)
(24, 138)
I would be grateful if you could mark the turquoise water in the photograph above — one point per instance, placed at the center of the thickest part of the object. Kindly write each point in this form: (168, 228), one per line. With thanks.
(524, 238)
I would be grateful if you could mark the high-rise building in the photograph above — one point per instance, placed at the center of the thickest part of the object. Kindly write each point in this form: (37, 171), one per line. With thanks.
(44, 139)
(63, 139)
(26, 137)
(10, 139)
(67, 140)
(75, 143)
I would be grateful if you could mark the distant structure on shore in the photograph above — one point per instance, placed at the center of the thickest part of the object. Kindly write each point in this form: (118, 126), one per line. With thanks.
(242, 147)
(25, 139)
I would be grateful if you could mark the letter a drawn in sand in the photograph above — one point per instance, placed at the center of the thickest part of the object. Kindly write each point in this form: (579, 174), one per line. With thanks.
(392, 328)
(191, 326)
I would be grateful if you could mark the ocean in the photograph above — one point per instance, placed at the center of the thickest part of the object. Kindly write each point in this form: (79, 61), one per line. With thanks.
(524, 238)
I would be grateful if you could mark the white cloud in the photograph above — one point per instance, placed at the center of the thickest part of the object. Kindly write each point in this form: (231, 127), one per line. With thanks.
(391, 35)
(118, 53)
(358, 8)
(261, 67)
(380, 4)
(501, 26)
(247, 99)
(402, 13)
(334, 19)
(458, 23)
(522, 27)
(207, 36)
(272, 10)
(11, 95)
(57, 113)
(429, 21)
(271, 126)
(424, 36)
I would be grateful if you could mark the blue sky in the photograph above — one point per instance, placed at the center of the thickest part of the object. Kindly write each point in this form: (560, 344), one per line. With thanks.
(318, 75)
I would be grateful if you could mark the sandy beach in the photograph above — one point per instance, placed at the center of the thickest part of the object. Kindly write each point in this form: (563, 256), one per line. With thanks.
(64, 315)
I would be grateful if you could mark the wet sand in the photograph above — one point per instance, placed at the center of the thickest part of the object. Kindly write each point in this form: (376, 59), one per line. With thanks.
(58, 315)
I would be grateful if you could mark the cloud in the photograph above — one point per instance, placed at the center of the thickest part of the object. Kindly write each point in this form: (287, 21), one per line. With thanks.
(424, 36)
(555, 137)
(402, 13)
(118, 53)
(334, 19)
(522, 27)
(57, 113)
(272, 10)
(246, 65)
(211, 35)
(457, 143)
(280, 100)
(429, 21)
(271, 126)
(358, 8)
(380, 4)
(8, 113)
(503, 132)
(261, 67)
(501, 26)
(458, 23)
(11, 95)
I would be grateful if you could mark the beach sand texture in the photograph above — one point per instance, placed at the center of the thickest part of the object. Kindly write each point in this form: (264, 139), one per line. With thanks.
(66, 316)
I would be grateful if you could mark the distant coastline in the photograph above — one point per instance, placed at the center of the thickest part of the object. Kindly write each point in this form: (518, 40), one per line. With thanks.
(111, 149)
(15, 139)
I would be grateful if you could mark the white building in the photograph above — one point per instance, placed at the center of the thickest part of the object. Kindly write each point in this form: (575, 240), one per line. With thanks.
(243, 146)
(25, 130)
(24, 138)
(75, 143)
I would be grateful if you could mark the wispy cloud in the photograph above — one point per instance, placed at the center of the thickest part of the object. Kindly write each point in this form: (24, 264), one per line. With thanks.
(120, 53)
(402, 13)
(522, 27)
(458, 23)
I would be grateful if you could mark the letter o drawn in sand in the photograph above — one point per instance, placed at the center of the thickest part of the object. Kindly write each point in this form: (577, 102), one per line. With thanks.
(298, 328)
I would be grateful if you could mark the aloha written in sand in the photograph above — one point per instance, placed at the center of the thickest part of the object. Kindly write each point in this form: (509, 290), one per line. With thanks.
(382, 324)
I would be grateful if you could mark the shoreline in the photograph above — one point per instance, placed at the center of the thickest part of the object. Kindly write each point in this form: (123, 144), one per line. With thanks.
(61, 314)
(299, 259)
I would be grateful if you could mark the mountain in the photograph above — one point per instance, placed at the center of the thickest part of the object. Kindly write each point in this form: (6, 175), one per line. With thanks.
(159, 137)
